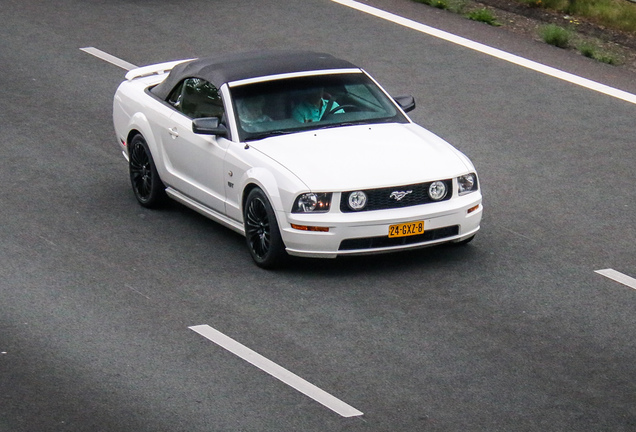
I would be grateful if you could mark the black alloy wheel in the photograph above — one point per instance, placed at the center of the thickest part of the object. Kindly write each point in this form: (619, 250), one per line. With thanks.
(261, 231)
(146, 184)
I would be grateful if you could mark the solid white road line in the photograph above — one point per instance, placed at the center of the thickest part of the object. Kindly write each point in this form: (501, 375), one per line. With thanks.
(485, 49)
(618, 277)
(109, 58)
(276, 371)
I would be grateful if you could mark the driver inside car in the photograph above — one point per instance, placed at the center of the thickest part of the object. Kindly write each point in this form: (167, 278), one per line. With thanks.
(314, 106)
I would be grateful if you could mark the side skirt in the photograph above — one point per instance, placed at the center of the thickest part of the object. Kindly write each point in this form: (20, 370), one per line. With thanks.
(205, 211)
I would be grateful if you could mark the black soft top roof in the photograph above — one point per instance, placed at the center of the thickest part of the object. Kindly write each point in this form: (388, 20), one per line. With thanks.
(232, 67)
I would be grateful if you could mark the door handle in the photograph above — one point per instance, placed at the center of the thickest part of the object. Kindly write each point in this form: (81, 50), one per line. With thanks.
(173, 132)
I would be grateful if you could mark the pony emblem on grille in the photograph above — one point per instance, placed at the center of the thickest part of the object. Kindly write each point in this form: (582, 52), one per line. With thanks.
(398, 195)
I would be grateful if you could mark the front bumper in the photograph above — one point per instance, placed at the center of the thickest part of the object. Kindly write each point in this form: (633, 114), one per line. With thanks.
(367, 232)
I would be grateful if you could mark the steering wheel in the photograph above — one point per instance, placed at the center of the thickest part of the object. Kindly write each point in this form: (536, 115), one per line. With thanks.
(334, 110)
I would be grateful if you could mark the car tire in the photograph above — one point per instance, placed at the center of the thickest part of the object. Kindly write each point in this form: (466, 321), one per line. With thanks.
(261, 231)
(146, 184)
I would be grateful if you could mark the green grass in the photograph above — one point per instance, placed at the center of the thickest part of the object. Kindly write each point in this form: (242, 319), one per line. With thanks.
(594, 52)
(456, 6)
(588, 50)
(607, 58)
(620, 15)
(483, 15)
(439, 4)
(616, 14)
(555, 35)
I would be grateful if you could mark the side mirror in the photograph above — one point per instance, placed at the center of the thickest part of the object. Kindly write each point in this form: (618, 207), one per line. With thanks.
(209, 126)
(407, 103)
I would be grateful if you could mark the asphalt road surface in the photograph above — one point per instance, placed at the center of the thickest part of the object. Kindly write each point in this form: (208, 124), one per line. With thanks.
(515, 332)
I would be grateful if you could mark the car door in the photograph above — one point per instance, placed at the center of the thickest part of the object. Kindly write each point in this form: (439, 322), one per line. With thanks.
(196, 161)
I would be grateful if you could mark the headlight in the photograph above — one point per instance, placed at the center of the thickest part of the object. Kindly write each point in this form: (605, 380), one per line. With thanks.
(312, 203)
(437, 190)
(467, 184)
(357, 200)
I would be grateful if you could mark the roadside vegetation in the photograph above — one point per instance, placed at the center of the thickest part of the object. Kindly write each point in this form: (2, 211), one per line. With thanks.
(563, 38)
(615, 14)
(589, 49)
(455, 6)
(554, 35)
(463, 7)
(612, 14)
(483, 15)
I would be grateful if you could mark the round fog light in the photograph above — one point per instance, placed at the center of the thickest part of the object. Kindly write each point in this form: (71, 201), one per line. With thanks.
(437, 190)
(357, 200)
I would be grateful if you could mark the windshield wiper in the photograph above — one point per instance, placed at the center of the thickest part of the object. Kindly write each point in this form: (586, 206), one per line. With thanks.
(266, 134)
(351, 123)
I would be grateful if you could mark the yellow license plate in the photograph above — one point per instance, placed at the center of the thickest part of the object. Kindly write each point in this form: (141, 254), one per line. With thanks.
(406, 229)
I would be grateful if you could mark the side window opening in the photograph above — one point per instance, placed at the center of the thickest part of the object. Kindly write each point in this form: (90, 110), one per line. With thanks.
(176, 96)
(197, 98)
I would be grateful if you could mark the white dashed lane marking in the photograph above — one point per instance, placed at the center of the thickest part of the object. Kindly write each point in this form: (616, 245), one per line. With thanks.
(109, 58)
(276, 371)
(618, 277)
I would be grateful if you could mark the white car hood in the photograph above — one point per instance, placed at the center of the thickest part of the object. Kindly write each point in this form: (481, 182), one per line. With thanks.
(365, 156)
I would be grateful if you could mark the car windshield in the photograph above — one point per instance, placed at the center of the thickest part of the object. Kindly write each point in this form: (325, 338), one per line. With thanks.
(304, 103)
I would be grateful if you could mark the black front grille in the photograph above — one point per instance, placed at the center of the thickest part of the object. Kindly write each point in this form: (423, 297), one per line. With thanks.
(386, 241)
(387, 198)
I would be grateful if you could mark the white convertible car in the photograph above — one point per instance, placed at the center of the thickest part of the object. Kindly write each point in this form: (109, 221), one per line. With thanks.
(301, 152)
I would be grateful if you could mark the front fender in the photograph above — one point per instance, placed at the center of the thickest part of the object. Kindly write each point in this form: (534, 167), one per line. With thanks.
(280, 189)
(265, 180)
